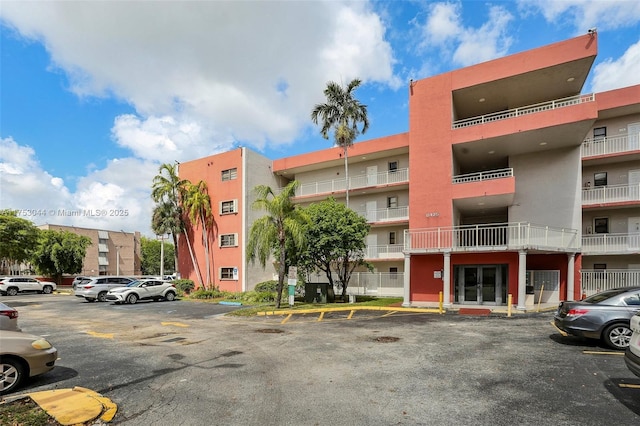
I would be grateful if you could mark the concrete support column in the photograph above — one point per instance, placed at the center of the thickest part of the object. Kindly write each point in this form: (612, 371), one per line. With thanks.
(571, 285)
(522, 279)
(446, 280)
(407, 281)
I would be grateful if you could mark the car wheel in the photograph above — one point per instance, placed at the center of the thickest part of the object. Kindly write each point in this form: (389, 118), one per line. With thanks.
(12, 291)
(617, 336)
(102, 296)
(11, 373)
(47, 289)
(132, 298)
(170, 296)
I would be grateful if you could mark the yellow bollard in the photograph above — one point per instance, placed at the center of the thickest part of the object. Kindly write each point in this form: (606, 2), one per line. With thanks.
(540, 299)
(441, 302)
(509, 301)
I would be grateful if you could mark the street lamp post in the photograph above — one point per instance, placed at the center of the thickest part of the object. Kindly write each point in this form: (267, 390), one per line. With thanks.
(162, 257)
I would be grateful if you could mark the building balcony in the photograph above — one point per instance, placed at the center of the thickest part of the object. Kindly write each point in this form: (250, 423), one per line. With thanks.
(522, 111)
(482, 176)
(611, 194)
(366, 181)
(610, 145)
(490, 237)
(396, 214)
(383, 252)
(383, 284)
(595, 281)
(596, 244)
(103, 248)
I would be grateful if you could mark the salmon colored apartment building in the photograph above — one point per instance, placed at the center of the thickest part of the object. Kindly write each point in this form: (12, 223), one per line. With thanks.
(509, 182)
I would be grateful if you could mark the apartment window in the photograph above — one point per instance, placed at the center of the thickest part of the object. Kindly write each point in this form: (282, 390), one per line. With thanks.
(228, 240)
(601, 225)
(600, 179)
(392, 237)
(229, 174)
(600, 266)
(228, 273)
(393, 273)
(392, 202)
(599, 132)
(227, 207)
(393, 166)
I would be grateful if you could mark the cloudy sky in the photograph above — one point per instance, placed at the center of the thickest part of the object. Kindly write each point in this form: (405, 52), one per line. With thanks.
(95, 95)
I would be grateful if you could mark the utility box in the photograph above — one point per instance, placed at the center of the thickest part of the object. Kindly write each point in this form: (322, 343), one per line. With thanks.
(316, 292)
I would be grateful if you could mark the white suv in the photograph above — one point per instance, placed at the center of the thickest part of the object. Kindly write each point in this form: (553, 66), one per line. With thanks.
(13, 285)
(143, 290)
(632, 353)
(96, 288)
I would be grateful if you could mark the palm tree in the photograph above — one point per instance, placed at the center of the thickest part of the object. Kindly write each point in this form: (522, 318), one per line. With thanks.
(167, 191)
(342, 112)
(198, 204)
(269, 234)
(164, 220)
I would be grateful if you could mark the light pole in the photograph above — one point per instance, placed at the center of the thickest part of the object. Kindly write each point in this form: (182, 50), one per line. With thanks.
(118, 260)
(162, 257)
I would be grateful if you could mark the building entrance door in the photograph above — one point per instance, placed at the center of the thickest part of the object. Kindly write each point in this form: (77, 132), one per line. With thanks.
(480, 284)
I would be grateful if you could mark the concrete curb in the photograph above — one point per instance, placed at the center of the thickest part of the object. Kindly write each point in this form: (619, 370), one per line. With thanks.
(72, 406)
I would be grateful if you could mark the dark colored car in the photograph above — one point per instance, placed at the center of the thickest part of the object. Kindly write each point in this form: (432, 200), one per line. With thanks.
(603, 316)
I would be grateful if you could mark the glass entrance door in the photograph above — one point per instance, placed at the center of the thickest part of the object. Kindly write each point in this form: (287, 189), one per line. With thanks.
(481, 284)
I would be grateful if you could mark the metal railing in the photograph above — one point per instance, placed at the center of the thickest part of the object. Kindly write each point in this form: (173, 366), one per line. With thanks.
(388, 251)
(497, 236)
(383, 284)
(355, 182)
(386, 215)
(610, 145)
(610, 243)
(480, 176)
(525, 110)
(595, 281)
(611, 194)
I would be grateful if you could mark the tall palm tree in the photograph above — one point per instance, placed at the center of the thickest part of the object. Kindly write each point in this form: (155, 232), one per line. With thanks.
(343, 113)
(268, 235)
(167, 191)
(164, 220)
(198, 204)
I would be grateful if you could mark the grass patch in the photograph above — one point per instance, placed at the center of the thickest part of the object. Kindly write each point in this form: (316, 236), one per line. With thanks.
(24, 412)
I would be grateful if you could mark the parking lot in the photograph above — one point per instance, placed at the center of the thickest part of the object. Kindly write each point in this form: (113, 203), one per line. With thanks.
(182, 362)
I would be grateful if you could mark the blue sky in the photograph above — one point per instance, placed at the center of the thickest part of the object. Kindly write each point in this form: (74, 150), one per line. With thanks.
(94, 96)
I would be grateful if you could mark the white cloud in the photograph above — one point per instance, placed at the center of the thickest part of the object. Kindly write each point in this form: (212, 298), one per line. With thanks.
(444, 32)
(613, 74)
(114, 198)
(585, 14)
(237, 71)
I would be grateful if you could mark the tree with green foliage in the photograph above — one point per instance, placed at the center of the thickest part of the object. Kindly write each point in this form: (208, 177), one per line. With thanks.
(268, 235)
(18, 238)
(165, 220)
(336, 240)
(343, 113)
(197, 203)
(150, 253)
(59, 252)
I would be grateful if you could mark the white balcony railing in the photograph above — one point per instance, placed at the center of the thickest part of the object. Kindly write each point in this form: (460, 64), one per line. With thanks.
(386, 215)
(595, 281)
(610, 243)
(610, 145)
(389, 251)
(355, 182)
(504, 236)
(383, 284)
(525, 110)
(611, 194)
(480, 176)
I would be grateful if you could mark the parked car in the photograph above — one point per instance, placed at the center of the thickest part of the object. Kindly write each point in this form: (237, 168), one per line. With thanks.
(79, 280)
(23, 355)
(14, 285)
(632, 354)
(604, 316)
(96, 288)
(8, 318)
(143, 290)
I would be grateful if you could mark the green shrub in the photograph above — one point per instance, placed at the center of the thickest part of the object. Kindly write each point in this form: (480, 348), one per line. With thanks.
(258, 296)
(207, 294)
(184, 286)
(266, 286)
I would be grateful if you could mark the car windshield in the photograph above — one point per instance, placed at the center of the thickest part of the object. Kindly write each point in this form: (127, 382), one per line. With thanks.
(135, 283)
(605, 295)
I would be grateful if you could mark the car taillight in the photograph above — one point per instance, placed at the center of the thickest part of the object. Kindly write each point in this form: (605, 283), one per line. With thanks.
(10, 314)
(87, 286)
(576, 312)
